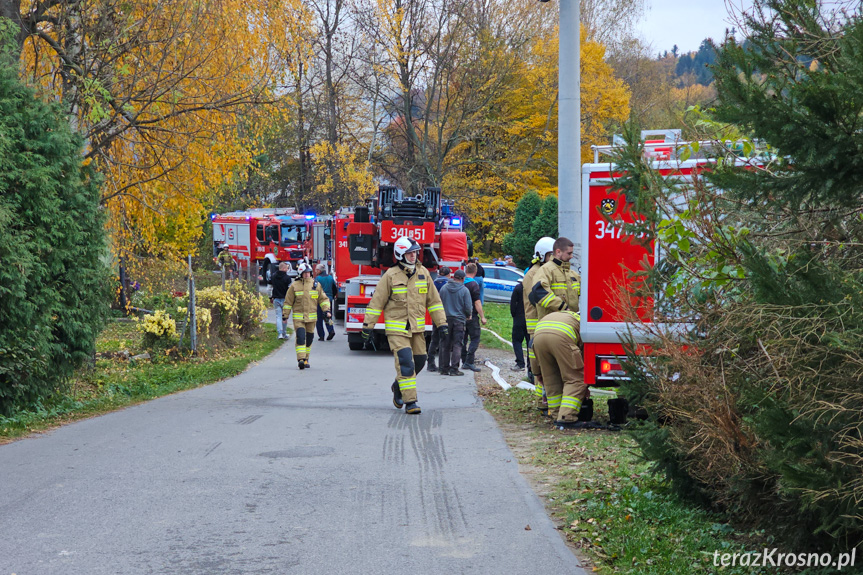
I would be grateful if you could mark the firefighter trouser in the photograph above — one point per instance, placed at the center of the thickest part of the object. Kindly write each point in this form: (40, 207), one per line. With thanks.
(562, 370)
(472, 332)
(533, 367)
(409, 362)
(305, 334)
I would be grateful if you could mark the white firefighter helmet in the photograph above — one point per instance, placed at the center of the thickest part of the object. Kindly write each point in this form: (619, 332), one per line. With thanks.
(303, 267)
(543, 246)
(404, 246)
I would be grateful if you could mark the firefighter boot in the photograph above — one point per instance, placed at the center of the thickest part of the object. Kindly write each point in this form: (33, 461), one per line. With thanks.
(413, 408)
(397, 395)
(301, 364)
(306, 361)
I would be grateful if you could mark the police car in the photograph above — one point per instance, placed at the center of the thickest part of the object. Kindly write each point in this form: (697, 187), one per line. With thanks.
(499, 281)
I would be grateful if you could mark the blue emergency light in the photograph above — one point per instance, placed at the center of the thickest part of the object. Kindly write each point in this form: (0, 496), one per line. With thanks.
(455, 221)
(310, 216)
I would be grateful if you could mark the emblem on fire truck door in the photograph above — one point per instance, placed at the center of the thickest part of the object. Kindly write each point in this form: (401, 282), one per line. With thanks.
(607, 205)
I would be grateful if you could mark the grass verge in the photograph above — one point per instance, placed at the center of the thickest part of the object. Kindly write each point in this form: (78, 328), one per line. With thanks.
(500, 322)
(619, 516)
(114, 383)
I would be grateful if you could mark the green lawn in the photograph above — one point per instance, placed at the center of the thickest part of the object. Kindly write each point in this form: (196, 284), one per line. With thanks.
(500, 322)
(115, 383)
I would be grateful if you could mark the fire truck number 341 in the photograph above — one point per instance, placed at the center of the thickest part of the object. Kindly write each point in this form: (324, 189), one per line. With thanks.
(419, 234)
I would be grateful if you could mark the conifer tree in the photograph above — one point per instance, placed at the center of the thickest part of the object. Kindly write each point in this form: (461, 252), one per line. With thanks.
(520, 242)
(759, 410)
(53, 282)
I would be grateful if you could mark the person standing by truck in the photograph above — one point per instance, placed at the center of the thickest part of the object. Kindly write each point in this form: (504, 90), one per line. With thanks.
(328, 284)
(542, 253)
(403, 295)
(435, 344)
(459, 309)
(472, 330)
(281, 282)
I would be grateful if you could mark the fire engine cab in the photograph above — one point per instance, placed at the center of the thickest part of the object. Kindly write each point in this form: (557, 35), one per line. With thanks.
(364, 239)
(267, 236)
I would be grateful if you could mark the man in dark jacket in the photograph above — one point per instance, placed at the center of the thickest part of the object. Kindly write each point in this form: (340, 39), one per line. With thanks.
(328, 284)
(472, 327)
(280, 282)
(459, 309)
(519, 325)
(435, 344)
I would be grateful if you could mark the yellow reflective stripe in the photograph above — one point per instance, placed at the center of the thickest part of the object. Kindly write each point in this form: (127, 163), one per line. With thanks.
(558, 286)
(315, 295)
(530, 353)
(548, 326)
(400, 290)
(572, 402)
(301, 348)
(407, 383)
(531, 323)
(300, 292)
(436, 307)
(298, 316)
(554, 400)
(421, 321)
(313, 315)
(547, 299)
(372, 311)
(422, 284)
(538, 390)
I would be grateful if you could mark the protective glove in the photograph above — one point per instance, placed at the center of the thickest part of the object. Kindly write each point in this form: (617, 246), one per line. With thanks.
(443, 332)
(367, 334)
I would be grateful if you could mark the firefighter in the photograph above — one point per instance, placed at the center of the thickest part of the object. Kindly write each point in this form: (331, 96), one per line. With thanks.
(403, 294)
(302, 300)
(556, 287)
(542, 253)
(556, 346)
(225, 261)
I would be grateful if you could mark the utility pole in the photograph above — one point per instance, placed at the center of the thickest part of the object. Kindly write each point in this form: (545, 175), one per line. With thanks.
(569, 127)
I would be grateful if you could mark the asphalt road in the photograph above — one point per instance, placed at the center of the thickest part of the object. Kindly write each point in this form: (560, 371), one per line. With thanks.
(279, 471)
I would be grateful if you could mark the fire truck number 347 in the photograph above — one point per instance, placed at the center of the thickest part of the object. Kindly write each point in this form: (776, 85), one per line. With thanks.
(611, 230)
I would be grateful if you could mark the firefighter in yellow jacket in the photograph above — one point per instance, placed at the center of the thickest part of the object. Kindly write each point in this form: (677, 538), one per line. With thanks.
(302, 300)
(542, 252)
(556, 287)
(555, 344)
(403, 295)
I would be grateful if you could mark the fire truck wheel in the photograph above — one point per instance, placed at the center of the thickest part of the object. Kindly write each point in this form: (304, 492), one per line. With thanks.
(355, 342)
(265, 273)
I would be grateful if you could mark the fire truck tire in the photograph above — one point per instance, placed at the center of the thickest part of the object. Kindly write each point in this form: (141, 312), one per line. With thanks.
(265, 272)
(355, 342)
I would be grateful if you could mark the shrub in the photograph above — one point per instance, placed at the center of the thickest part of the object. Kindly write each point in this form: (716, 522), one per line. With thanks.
(159, 330)
(54, 289)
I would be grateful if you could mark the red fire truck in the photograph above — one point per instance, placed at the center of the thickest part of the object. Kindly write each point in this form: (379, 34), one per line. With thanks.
(364, 239)
(609, 257)
(267, 236)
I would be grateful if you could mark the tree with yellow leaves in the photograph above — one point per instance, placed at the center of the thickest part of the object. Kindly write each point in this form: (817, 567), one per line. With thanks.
(516, 149)
(157, 88)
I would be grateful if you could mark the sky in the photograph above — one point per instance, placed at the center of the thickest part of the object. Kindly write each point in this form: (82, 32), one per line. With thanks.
(686, 22)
